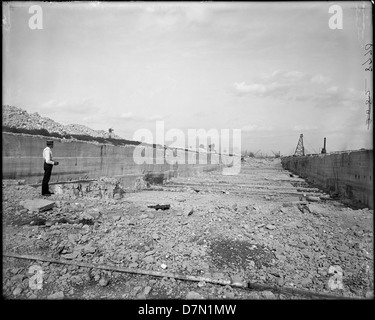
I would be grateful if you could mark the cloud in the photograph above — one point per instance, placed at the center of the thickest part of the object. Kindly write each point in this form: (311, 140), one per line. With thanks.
(168, 15)
(94, 4)
(284, 77)
(333, 89)
(63, 104)
(91, 118)
(85, 111)
(134, 117)
(127, 115)
(320, 79)
(336, 96)
(298, 86)
(277, 84)
(155, 117)
(49, 103)
(300, 128)
(256, 127)
(77, 107)
(257, 89)
(197, 13)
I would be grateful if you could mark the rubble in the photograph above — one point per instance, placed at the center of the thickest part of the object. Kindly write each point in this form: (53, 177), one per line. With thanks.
(232, 238)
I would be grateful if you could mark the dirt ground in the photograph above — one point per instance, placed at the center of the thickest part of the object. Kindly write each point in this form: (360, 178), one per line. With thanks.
(256, 227)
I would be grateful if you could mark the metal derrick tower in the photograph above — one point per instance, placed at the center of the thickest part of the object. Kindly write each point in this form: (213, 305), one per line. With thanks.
(300, 149)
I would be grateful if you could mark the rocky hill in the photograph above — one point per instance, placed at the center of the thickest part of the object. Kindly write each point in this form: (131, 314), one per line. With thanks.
(14, 117)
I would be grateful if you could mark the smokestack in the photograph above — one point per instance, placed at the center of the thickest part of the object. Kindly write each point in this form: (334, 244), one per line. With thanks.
(324, 147)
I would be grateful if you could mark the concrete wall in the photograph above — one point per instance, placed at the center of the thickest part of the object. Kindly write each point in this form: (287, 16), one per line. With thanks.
(22, 159)
(348, 173)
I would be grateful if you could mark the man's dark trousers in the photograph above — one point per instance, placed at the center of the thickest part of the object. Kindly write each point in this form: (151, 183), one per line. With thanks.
(47, 176)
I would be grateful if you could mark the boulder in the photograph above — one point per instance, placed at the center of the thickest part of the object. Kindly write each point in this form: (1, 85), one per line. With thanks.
(89, 249)
(335, 282)
(315, 209)
(312, 199)
(93, 212)
(17, 291)
(148, 259)
(268, 295)
(147, 290)
(335, 270)
(56, 296)
(192, 295)
(104, 281)
(237, 280)
(37, 204)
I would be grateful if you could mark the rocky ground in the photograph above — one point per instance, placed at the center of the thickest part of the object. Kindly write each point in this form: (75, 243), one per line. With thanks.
(262, 226)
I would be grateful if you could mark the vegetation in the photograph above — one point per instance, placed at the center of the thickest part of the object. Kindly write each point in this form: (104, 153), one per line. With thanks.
(44, 132)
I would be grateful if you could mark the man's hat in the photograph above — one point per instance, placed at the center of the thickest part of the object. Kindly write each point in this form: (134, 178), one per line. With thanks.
(49, 142)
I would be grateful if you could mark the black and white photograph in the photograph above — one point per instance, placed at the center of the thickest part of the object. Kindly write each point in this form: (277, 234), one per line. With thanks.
(187, 156)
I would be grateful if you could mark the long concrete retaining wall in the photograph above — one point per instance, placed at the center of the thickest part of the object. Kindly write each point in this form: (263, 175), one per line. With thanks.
(22, 159)
(348, 173)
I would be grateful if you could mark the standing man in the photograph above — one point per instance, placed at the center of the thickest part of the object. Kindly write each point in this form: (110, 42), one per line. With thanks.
(48, 164)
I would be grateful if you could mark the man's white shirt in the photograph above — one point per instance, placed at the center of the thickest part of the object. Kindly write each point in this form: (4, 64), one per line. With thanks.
(47, 155)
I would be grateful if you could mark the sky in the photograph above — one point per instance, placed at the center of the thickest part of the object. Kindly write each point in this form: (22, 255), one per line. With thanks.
(273, 70)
